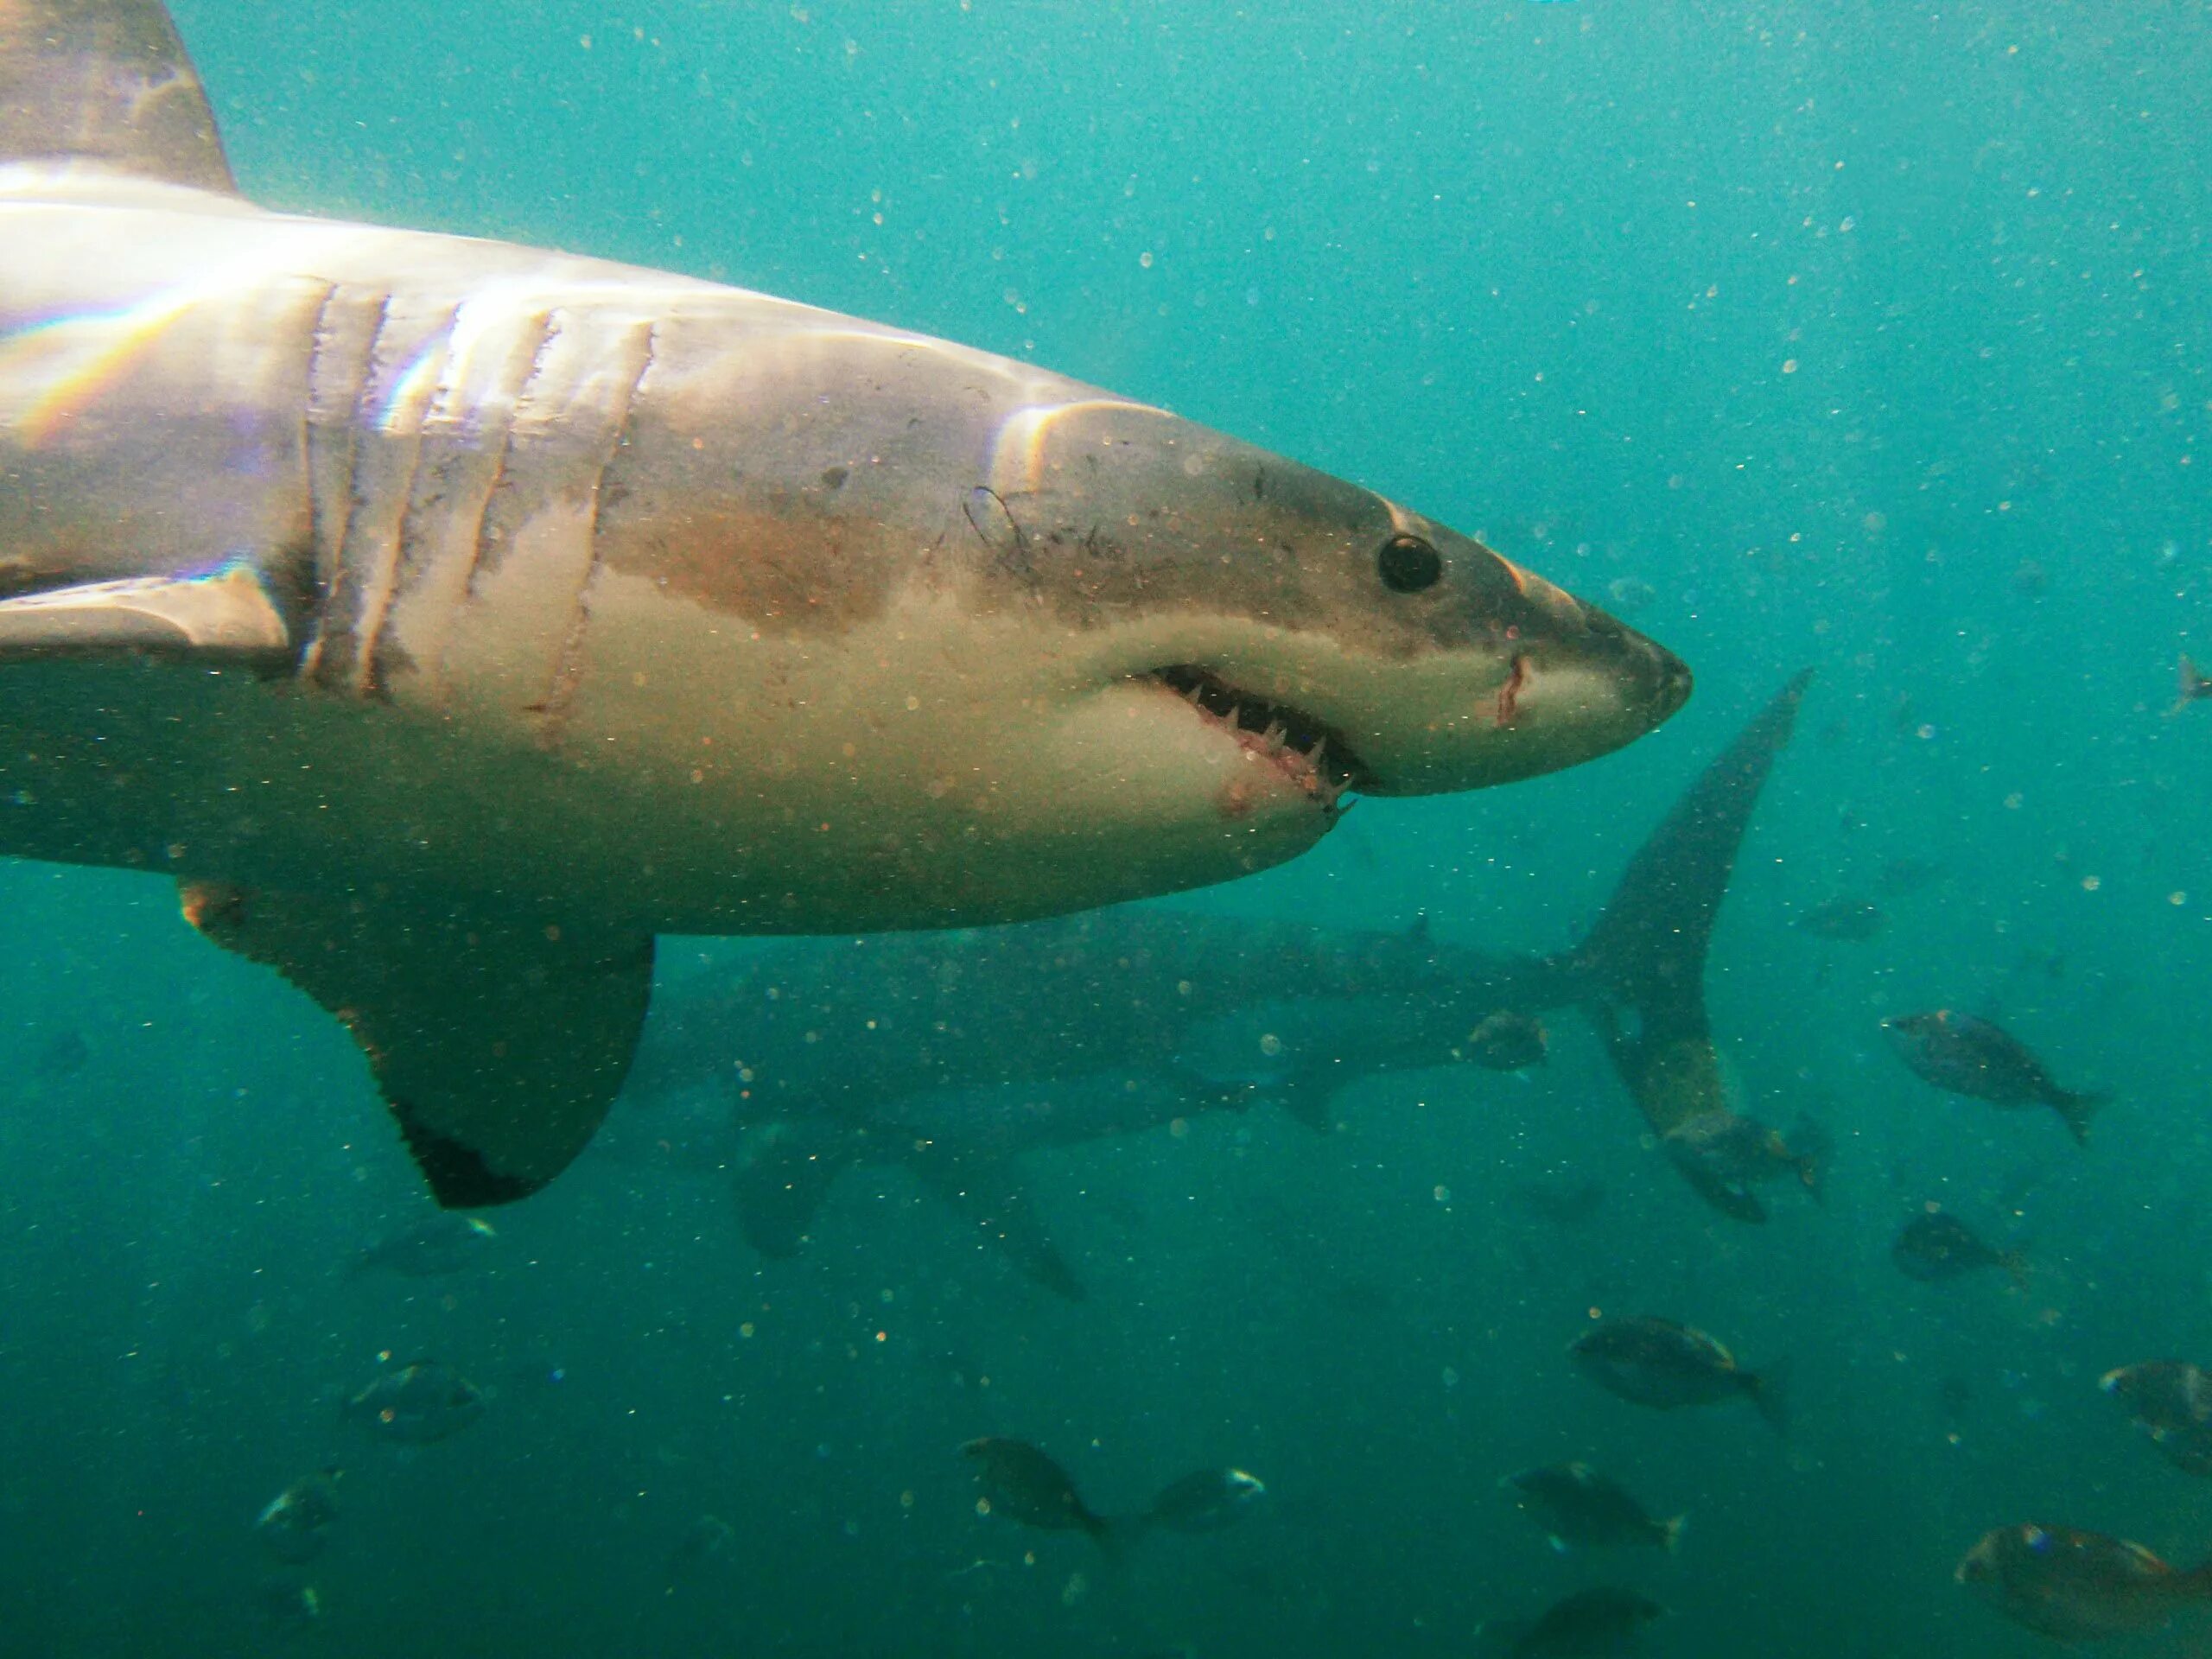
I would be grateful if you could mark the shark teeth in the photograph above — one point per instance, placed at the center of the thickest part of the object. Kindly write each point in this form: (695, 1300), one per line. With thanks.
(1306, 750)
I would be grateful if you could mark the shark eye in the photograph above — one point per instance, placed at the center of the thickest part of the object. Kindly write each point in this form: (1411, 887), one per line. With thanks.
(1407, 564)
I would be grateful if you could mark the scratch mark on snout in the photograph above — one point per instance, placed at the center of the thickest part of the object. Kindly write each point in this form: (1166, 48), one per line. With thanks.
(1508, 695)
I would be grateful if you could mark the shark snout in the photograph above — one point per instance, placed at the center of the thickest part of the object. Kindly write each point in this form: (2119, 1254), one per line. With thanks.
(1654, 682)
(1646, 682)
(1550, 682)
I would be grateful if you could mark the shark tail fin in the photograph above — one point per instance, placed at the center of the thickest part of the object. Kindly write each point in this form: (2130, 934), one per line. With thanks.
(106, 81)
(1645, 958)
(1690, 1071)
(2076, 1110)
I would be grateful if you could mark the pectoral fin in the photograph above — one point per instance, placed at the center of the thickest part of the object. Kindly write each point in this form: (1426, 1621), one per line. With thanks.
(498, 1040)
(226, 614)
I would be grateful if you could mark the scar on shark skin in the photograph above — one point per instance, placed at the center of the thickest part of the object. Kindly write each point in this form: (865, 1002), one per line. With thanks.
(1508, 695)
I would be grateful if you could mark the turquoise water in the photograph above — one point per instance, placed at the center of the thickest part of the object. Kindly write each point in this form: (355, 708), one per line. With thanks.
(1868, 337)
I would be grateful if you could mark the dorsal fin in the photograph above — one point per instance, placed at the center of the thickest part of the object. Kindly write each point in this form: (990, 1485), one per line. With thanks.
(106, 81)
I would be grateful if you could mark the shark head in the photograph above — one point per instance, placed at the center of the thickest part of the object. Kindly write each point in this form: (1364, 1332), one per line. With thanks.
(1235, 639)
(816, 623)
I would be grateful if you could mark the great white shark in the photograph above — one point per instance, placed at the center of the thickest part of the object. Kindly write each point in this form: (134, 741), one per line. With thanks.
(953, 1054)
(451, 617)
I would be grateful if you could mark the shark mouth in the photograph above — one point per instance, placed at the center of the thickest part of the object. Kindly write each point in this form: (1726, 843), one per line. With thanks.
(1309, 752)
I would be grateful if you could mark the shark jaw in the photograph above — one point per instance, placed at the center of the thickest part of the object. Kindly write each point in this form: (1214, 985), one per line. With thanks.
(1314, 759)
(1460, 723)
(1165, 757)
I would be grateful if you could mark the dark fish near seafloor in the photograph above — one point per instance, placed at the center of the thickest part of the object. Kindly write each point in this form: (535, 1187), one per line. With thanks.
(62, 1055)
(1953, 1400)
(417, 1403)
(1664, 1365)
(2078, 1586)
(1588, 1624)
(1025, 1484)
(1966, 1056)
(1578, 1507)
(2171, 1400)
(1936, 1245)
(289, 1606)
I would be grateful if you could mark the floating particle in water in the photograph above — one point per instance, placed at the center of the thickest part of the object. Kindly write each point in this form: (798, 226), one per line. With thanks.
(1630, 593)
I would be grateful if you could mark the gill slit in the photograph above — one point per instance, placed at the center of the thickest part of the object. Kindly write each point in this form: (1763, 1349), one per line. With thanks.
(569, 662)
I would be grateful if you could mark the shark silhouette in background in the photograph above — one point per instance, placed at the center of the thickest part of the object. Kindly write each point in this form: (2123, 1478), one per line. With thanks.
(952, 1054)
